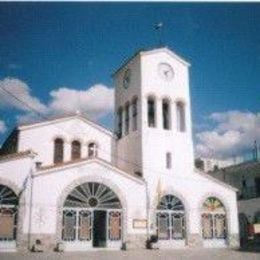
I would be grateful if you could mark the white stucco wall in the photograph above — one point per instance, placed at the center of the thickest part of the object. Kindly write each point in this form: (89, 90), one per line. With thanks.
(49, 186)
(193, 190)
(15, 171)
(40, 138)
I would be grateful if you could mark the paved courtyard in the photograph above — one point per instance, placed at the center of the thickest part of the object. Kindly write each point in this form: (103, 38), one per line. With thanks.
(200, 254)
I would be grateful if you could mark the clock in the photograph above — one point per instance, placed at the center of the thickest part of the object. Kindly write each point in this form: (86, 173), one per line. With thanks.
(127, 78)
(165, 71)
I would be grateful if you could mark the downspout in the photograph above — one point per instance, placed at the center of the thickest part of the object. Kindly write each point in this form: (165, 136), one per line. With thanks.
(30, 178)
(147, 210)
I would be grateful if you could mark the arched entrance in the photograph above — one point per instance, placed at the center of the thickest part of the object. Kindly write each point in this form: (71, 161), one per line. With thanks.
(92, 218)
(170, 222)
(214, 224)
(8, 218)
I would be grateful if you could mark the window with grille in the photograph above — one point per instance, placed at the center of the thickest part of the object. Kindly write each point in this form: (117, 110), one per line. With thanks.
(75, 150)
(213, 219)
(58, 150)
(170, 218)
(8, 214)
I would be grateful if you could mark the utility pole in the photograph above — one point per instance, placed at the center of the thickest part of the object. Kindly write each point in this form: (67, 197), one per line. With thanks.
(255, 151)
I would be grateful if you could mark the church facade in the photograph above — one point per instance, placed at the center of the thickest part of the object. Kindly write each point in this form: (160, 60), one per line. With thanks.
(70, 184)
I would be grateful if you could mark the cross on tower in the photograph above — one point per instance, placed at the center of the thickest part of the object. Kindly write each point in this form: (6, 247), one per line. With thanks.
(158, 28)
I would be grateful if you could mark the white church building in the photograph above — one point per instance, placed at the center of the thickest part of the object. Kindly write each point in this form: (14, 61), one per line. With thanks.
(70, 184)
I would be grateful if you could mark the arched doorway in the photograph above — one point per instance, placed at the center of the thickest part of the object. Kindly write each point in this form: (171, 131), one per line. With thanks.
(92, 217)
(214, 224)
(170, 222)
(8, 218)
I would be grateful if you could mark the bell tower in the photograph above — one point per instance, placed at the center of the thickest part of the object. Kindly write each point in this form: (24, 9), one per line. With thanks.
(153, 119)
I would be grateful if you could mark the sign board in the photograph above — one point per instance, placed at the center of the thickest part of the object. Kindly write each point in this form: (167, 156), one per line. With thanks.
(257, 228)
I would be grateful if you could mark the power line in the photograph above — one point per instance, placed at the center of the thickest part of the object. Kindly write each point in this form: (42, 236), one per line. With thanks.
(112, 155)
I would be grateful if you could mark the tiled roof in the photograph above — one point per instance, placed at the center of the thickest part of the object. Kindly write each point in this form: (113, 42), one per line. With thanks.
(246, 166)
(12, 156)
(65, 117)
(75, 162)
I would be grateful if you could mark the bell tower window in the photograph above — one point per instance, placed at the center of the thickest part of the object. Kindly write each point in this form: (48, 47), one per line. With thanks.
(134, 114)
(92, 150)
(75, 150)
(119, 122)
(127, 119)
(151, 112)
(181, 125)
(166, 114)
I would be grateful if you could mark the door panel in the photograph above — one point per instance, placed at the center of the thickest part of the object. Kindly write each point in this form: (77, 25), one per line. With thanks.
(99, 228)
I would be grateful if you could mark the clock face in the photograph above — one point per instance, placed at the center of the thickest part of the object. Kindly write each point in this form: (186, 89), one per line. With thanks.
(127, 78)
(165, 71)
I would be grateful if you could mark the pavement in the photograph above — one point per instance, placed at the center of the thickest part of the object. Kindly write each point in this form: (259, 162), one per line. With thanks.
(177, 254)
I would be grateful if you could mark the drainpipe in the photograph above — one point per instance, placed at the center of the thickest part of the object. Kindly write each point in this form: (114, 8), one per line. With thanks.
(147, 209)
(30, 179)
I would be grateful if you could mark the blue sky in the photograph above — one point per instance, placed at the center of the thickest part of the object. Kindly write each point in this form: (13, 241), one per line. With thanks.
(51, 50)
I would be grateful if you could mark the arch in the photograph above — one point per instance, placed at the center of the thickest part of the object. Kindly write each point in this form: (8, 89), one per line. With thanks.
(7, 196)
(181, 116)
(166, 113)
(151, 111)
(213, 204)
(92, 178)
(170, 202)
(120, 122)
(75, 150)
(219, 196)
(134, 104)
(11, 185)
(213, 219)
(92, 149)
(58, 150)
(92, 195)
(8, 213)
(127, 117)
(170, 191)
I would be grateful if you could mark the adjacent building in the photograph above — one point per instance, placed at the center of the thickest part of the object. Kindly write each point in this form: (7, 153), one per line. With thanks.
(246, 178)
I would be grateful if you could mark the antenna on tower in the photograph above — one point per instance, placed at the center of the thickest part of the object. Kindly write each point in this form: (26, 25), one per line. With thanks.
(255, 151)
(158, 28)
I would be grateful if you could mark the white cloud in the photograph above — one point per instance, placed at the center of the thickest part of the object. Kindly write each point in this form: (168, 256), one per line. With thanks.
(234, 134)
(3, 127)
(95, 102)
(10, 87)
